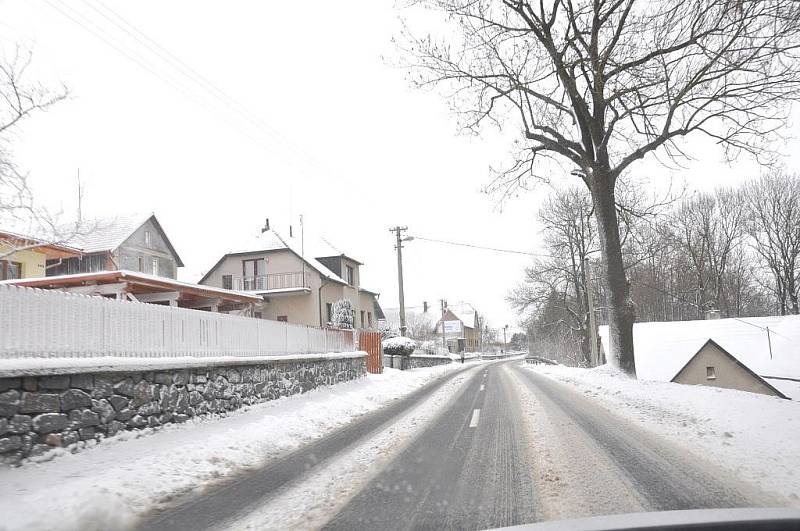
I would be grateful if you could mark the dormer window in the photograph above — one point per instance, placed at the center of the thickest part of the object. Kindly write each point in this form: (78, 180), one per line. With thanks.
(350, 276)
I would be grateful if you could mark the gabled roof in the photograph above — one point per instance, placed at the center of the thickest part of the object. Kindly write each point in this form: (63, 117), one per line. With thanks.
(464, 312)
(733, 358)
(270, 240)
(109, 234)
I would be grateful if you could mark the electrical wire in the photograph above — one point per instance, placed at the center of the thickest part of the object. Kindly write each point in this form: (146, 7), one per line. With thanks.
(175, 65)
(474, 246)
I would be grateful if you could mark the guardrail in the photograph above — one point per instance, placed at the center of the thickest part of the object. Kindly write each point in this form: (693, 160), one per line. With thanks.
(37, 323)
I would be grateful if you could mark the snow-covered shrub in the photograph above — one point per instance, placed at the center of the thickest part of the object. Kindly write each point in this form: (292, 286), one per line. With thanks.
(399, 346)
(342, 314)
(430, 347)
(387, 331)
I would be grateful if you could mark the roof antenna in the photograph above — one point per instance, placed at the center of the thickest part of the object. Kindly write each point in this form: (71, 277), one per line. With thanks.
(80, 194)
(266, 226)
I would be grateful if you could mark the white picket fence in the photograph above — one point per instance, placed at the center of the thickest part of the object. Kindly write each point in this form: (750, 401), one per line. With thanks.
(37, 323)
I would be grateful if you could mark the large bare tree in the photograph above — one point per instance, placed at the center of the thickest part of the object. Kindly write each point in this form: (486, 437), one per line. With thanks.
(601, 84)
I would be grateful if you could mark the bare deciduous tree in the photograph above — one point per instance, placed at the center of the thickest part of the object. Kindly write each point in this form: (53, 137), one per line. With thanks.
(774, 224)
(600, 84)
(19, 99)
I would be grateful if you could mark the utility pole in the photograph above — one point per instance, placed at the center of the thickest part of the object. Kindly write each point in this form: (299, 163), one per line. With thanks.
(398, 231)
(587, 282)
(505, 342)
(444, 338)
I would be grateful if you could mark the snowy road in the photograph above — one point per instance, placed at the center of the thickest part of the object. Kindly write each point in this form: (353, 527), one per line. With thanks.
(505, 446)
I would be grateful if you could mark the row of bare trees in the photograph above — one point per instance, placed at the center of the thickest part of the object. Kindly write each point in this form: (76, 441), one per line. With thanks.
(734, 251)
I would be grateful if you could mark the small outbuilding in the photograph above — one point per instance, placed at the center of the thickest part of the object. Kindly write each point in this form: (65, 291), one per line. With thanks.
(714, 366)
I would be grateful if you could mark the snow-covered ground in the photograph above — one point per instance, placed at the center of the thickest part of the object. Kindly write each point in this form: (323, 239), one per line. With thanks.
(757, 437)
(123, 477)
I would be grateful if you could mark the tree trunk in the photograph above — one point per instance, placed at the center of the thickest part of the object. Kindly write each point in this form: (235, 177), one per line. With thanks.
(621, 313)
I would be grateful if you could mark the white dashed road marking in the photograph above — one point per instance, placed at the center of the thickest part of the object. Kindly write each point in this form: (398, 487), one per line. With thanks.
(476, 415)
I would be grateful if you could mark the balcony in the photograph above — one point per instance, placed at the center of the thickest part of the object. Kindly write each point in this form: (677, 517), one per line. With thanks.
(272, 281)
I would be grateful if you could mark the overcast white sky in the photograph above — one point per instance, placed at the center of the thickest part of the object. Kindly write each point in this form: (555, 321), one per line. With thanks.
(329, 130)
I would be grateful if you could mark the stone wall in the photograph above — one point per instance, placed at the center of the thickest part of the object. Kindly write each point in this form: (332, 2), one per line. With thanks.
(414, 361)
(39, 413)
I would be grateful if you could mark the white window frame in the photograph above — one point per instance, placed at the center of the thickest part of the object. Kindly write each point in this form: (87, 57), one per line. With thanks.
(148, 240)
(154, 264)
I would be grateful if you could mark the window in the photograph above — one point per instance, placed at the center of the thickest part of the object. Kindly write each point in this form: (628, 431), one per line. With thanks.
(369, 319)
(257, 315)
(155, 266)
(227, 281)
(10, 270)
(362, 319)
(351, 276)
(710, 373)
(283, 318)
(251, 269)
(147, 239)
(141, 264)
(329, 307)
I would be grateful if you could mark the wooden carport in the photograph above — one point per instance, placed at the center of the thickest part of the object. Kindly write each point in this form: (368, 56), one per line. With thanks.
(141, 287)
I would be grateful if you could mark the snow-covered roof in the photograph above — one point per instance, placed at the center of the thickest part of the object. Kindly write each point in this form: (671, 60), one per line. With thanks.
(271, 240)
(465, 312)
(432, 316)
(106, 235)
(124, 274)
(109, 233)
(661, 349)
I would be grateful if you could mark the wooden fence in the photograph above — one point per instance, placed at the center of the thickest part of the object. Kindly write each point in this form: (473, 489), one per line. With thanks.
(370, 342)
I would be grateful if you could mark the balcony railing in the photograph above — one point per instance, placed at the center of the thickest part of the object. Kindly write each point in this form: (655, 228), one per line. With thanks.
(272, 281)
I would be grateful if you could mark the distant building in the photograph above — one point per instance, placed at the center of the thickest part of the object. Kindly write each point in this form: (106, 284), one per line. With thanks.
(298, 280)
(27, 257)
(462, 324)
(754, 354)
(132, 242)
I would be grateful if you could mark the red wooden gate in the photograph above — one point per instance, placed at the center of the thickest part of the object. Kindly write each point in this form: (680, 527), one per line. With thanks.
(370, 342)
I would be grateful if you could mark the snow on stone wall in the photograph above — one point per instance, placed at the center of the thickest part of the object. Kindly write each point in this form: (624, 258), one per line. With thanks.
(38, 323)
(39, 413)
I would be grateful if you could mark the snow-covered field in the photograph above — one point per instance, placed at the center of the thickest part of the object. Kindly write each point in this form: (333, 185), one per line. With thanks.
(757, 437)
(110, 485)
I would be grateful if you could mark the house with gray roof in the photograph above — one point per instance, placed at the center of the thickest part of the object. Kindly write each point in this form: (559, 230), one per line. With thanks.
(135, 242)
(299, 279)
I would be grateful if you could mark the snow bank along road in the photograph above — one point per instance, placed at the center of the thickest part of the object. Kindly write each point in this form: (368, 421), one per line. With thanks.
(137, 474)
(502, 446)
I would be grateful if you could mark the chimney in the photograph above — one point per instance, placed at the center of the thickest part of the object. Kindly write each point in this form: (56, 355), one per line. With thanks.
(266, 226)
(425, 306)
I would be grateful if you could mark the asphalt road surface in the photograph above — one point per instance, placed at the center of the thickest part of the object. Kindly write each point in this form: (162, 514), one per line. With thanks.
(508, 447)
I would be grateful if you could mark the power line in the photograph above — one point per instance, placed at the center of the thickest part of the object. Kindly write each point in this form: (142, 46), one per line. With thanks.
(196, 80)
(482, 247)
